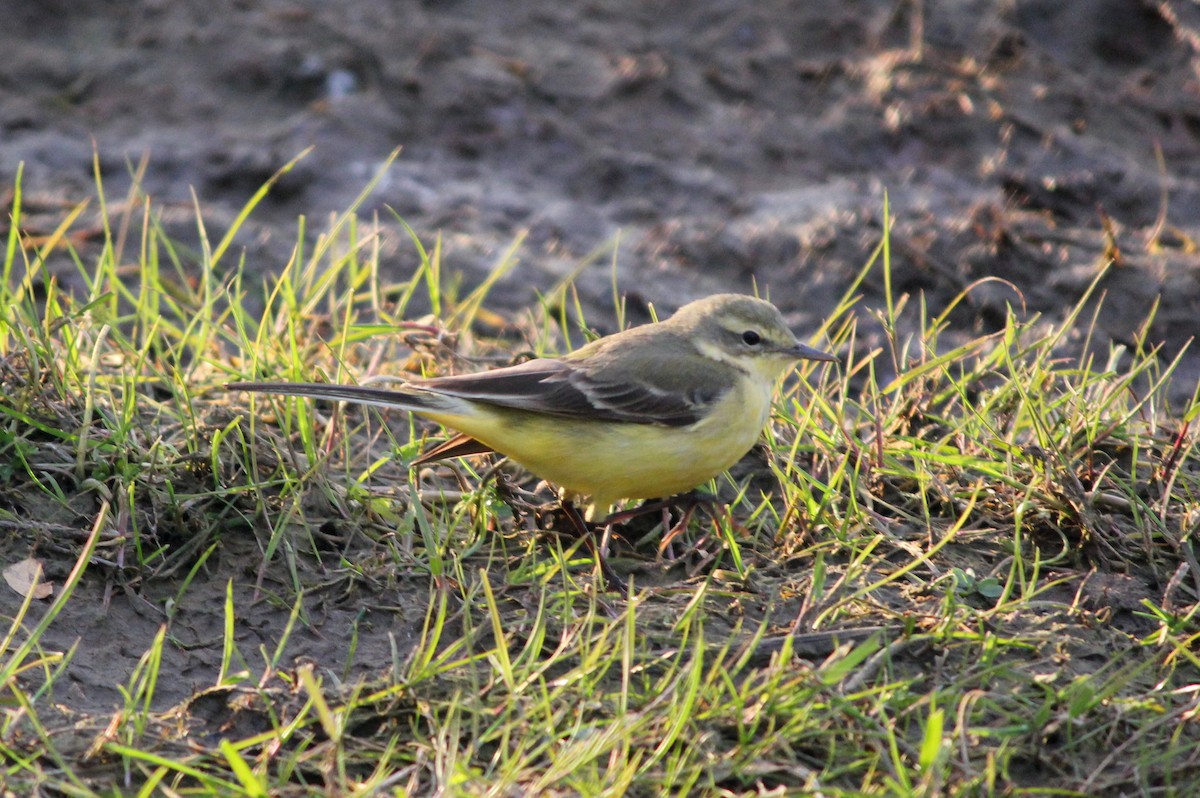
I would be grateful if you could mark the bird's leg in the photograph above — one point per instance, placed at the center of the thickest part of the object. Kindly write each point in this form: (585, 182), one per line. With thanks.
(688, 511)
(611, 579)
(666, 524)
(687, 503)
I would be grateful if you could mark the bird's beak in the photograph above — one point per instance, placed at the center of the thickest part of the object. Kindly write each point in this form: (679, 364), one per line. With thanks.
(803, 352)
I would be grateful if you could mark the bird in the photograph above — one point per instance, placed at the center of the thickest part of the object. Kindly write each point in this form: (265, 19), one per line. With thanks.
(645, 413)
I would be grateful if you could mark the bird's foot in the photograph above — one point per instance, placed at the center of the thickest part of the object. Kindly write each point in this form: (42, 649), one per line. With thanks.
(587, 534)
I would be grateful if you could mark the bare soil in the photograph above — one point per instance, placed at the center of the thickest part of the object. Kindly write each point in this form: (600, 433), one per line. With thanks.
(724, 145)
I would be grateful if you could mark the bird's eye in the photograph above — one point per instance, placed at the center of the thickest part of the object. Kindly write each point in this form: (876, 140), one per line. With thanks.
(751, 338)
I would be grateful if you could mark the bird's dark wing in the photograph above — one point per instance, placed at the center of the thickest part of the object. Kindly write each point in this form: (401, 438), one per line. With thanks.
(592, 389)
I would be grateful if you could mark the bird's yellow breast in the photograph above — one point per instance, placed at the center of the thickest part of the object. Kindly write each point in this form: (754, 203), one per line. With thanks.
(609, 461)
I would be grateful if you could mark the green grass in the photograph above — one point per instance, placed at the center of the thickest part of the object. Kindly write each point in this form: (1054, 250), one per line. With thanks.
(1008, 525)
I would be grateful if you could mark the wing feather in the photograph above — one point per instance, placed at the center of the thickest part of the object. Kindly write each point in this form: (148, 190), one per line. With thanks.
(576, 389)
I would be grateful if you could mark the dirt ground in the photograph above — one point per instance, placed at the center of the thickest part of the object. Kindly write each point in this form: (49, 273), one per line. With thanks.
(723, 144)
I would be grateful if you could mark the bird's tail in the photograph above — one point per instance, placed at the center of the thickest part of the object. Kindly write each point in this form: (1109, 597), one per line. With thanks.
(405, 399)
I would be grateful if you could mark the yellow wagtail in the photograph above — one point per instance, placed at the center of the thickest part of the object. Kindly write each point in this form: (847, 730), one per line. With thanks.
(646, 413)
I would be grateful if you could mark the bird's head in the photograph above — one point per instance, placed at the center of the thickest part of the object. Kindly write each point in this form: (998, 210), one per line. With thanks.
(744, 331)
